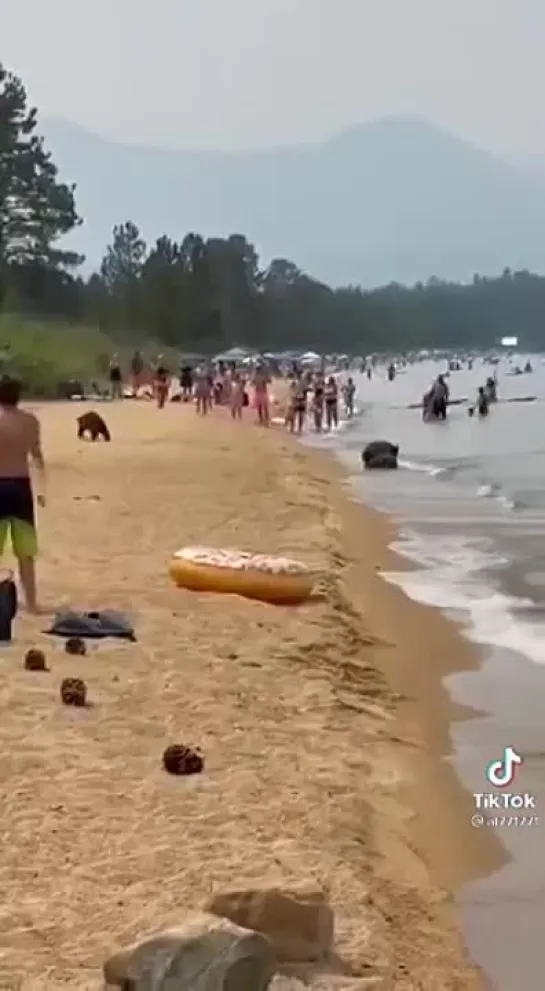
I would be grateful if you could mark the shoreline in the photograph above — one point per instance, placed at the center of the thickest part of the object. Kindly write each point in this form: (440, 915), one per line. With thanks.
(324, 728)
(415, 670)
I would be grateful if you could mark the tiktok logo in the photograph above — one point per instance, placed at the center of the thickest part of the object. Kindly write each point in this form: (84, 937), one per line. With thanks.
(501, 773)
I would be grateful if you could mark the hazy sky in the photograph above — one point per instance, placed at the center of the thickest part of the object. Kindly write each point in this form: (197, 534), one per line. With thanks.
(248, 73)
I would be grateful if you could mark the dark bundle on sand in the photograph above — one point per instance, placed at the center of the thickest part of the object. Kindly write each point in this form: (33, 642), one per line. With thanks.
(92, 424)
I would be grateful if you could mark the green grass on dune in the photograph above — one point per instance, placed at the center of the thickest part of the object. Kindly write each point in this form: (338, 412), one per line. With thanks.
(45, 354)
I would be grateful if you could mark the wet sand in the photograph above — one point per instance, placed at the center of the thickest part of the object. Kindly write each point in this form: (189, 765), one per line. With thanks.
(323, 728)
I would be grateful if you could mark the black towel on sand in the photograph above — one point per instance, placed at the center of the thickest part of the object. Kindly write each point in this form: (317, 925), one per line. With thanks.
(92, 625)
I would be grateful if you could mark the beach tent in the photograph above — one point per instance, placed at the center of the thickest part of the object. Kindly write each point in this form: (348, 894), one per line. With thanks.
(234, 354)
(309, 357)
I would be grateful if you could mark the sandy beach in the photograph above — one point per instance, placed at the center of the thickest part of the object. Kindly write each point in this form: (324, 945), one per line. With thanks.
(322, 727)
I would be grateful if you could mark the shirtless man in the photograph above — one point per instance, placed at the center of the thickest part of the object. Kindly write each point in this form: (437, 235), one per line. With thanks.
(20, 443)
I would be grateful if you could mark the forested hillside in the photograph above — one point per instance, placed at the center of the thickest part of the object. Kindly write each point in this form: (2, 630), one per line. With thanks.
(205, 294)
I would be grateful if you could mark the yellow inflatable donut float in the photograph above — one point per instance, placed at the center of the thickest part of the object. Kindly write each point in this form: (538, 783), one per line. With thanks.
(277, 580)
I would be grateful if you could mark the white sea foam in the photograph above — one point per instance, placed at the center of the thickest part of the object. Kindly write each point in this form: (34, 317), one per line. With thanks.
(451, 577)
(428, 469)
(493, 491)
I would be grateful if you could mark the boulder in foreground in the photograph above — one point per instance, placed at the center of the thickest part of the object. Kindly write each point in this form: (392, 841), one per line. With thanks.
(299, 923)
(204, 953)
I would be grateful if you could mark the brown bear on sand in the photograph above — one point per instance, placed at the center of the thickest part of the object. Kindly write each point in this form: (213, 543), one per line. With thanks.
(93, 424)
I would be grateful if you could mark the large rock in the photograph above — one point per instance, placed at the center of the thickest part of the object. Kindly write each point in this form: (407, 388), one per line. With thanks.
(299, 923)
(378, 448)
(205, 953)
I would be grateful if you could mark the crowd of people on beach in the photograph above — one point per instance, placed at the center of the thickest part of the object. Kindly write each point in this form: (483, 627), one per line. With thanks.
(289, 395)
(308, 394)
(303, 395)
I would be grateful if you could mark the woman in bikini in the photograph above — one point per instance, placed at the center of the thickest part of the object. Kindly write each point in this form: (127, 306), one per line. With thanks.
(237, 396)
(331, 396)
(299, 399)
(318, 403)
(261, 383)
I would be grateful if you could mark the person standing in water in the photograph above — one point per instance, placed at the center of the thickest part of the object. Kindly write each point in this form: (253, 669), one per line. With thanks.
(331, 396)
(482, 403)
(298, 405)
(318, 402)
(349, 393)
(439, 398)
(491, 389)
(20, 444)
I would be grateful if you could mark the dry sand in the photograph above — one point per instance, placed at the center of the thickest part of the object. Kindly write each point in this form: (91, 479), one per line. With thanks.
(321, 726)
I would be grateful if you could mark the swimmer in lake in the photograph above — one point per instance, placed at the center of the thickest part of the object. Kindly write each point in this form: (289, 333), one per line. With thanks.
(482, 404)
(20, 444)
(349, 392)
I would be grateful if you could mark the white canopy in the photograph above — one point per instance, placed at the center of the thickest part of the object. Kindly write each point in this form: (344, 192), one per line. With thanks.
(233, 354)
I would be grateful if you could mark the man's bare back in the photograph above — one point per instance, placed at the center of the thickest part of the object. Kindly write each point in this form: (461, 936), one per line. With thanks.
(19, 442)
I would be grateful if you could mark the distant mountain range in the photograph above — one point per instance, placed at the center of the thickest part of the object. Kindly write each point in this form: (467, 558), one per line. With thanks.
(398, 199)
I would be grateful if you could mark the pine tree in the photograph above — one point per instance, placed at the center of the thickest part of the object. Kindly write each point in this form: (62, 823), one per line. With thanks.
(36, 209)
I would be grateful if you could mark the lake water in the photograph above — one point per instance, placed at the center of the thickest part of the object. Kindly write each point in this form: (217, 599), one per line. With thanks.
(469, 499)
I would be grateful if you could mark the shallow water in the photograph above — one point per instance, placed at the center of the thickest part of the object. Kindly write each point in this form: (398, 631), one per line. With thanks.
(469, 499)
